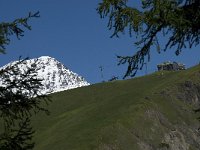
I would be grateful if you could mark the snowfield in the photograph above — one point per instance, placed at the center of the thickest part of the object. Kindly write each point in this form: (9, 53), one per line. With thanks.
(55, 76)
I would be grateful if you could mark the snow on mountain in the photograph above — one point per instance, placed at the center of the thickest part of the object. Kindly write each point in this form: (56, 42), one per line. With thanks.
(55, 76)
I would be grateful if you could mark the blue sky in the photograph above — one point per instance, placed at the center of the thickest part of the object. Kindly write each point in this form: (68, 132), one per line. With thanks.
(73, 33)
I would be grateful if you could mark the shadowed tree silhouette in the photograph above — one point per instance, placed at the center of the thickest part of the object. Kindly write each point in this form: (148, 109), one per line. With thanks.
(177, 20)
(20, 97)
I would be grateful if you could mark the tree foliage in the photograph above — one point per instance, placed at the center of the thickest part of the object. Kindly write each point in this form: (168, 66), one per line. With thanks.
(19, 137)
(14, 28)
(178, 20)
(20, 97)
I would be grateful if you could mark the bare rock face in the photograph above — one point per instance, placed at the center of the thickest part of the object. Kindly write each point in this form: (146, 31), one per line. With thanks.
(54, 75)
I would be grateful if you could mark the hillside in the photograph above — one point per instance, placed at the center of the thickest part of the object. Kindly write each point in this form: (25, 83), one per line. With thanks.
(154, 112)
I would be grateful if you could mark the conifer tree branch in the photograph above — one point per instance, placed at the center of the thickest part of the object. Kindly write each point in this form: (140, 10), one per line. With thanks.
(178, 19)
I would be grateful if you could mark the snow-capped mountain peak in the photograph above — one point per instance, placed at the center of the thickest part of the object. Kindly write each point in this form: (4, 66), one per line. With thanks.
(55, 76)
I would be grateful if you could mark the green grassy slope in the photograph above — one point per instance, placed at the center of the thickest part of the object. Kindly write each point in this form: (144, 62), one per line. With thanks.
(141, 113)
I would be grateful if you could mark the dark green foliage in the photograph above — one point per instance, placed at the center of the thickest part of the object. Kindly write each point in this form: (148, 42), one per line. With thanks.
(21, 94)
(18, 138)
(14, 28)
(20, 97)
(179, 20)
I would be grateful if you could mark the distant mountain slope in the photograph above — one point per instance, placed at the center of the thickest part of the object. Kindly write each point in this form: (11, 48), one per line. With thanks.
(56, 77)
(154, 112)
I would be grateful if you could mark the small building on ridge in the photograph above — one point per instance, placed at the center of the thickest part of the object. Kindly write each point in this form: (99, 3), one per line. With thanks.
(170, 66)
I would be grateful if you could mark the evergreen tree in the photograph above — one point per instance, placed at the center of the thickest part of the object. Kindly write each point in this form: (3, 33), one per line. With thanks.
(177, 20)
(19, 95)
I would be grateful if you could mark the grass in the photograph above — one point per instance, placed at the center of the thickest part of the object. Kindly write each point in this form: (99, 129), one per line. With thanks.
(115, 115)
